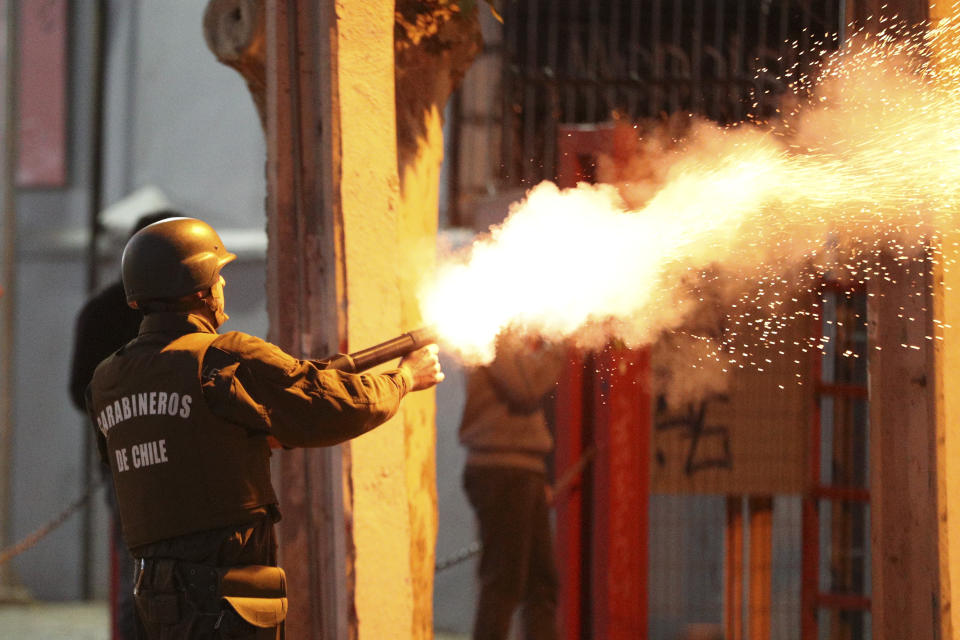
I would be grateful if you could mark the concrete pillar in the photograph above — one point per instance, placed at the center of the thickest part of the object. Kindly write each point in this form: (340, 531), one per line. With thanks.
(9, 586)
(350, 238)
(372, 226)
(334, 284)
(433, 49)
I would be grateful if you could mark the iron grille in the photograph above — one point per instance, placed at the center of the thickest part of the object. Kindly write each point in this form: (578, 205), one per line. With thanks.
(577, 61)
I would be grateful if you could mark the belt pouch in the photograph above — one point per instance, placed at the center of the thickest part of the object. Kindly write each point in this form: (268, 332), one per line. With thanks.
(257, 593)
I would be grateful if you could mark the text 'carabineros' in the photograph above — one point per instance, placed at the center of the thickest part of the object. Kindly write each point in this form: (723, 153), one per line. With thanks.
(148, 403)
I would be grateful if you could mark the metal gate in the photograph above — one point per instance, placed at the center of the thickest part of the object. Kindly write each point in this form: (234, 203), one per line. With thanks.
(553, 62)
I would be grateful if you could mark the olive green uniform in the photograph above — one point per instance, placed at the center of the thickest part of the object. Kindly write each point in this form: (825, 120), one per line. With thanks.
(182, 416)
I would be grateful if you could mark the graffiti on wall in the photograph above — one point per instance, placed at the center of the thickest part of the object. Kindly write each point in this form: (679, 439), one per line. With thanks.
(692, 423)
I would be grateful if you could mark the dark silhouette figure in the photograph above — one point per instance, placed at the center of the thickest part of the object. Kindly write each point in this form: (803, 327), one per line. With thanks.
(104, 324)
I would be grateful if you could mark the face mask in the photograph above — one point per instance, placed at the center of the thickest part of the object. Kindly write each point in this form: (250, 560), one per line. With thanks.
(216, 303)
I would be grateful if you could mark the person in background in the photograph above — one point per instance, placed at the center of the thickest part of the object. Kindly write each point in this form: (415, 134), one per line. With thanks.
(185, 415)
(508, 442)
(104, 324)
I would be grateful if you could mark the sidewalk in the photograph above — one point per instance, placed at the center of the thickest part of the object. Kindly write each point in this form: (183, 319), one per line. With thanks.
(54, 621)
(71, 621)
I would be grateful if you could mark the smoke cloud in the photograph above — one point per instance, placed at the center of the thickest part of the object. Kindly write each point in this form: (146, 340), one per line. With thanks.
(741, 221)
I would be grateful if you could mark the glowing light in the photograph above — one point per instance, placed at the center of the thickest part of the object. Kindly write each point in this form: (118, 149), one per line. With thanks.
(866, 159)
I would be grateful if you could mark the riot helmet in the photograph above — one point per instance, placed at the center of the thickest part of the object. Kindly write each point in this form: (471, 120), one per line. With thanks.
(171, 259)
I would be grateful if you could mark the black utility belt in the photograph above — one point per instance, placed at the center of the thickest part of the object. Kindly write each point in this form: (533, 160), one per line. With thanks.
(256, 592)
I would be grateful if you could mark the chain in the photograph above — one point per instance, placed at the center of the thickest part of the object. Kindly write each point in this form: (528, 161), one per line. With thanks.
(460, 555)
(39, 534)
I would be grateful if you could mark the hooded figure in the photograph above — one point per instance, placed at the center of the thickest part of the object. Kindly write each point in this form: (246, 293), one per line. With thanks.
(508, 442)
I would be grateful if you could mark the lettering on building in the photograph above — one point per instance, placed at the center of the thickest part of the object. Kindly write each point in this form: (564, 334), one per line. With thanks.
(692, 423)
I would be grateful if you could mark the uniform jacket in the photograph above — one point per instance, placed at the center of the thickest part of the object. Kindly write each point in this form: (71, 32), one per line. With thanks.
(503, 422)
(215, 399)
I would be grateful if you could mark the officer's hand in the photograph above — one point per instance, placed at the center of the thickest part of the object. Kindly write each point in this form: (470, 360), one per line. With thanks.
(424, 367)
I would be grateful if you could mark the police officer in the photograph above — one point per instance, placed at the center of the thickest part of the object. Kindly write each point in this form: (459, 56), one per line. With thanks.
(183, 416)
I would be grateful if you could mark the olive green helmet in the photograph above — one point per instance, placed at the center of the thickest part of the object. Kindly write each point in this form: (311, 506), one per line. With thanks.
(171, 259)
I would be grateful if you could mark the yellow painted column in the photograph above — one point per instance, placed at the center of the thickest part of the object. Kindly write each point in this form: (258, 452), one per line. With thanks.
(435, 45)
(369, 195)
(417, 244)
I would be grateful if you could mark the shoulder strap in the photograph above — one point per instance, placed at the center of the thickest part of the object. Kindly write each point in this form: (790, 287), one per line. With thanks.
(198, 343)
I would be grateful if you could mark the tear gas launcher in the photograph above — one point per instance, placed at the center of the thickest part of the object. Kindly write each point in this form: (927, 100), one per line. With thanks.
(377, 354)
(383, 352)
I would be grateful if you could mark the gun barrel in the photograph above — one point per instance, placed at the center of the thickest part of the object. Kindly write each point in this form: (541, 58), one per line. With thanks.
(383, 352)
